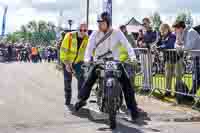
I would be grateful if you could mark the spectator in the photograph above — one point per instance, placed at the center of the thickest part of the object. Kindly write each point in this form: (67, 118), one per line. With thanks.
(39, 55)
(188, 39)
(46, 52)
(42, 51)
(25, 55)
(9, 53)
(55, 55)
(18, 54)
(171, 59)
(129, 37)
(34, 53)
(146, 41)
(49, 54)
(149, 36)
(140, 39)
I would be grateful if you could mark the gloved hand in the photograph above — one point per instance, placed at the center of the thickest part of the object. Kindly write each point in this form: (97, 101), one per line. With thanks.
(133, 61)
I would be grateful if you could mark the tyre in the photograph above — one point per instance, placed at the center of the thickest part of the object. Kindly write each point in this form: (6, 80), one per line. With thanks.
(112, 114)
(113, 95)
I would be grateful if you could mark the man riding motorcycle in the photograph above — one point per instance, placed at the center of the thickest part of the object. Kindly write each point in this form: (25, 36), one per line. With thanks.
(98, 46)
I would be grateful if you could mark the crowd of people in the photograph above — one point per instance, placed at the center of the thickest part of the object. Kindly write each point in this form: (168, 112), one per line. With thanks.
(22, 53)
(170, 51)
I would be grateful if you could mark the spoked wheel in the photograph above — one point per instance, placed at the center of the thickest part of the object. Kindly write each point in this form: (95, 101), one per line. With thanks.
(112, 105)
(112, 113)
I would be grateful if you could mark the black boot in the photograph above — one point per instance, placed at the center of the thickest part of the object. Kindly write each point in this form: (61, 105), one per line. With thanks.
(79, 105)
(134, 115)
(68, 97)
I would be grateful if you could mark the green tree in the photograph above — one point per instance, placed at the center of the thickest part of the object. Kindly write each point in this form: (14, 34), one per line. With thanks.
(185, 16)
(42, 26)
(24, 33)
(156, 21)
(35, 33)
(32, 26)
(12, 38)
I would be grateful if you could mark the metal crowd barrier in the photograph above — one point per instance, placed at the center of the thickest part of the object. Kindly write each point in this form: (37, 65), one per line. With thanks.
(160, 70)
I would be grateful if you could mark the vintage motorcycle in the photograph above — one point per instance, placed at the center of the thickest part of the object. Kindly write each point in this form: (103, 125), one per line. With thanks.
(108, 91)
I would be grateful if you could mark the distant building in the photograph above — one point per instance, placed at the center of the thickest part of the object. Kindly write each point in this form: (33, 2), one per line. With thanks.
(133, 25)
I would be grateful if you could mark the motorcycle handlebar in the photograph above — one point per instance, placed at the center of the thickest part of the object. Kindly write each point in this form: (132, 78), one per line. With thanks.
(93, 63)
(101, 62)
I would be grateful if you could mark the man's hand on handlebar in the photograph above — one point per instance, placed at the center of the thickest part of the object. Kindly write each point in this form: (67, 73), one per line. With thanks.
(132, 61)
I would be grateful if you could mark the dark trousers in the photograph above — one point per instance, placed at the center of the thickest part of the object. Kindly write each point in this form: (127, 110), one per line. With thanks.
(26, 58)
(68, 80)
(34, 58)
(9, 57)
(195, 75)
(128, 90)
(39, 57)
(50, 58)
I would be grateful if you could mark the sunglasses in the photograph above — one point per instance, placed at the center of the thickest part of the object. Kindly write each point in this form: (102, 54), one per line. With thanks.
(83, 30)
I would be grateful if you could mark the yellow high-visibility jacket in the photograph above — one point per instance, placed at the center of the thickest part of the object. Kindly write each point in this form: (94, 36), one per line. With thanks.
(69, 51)
(123, 53)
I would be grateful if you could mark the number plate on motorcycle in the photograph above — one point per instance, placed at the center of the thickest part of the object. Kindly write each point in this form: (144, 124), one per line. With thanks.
(111, 65)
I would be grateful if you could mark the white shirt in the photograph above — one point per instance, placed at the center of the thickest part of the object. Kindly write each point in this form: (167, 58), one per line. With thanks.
(116, 38)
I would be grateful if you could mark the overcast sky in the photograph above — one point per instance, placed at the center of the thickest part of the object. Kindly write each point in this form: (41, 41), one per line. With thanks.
(22, 11)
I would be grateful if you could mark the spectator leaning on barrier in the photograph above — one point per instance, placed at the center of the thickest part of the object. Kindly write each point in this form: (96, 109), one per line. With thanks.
(140, 39)
(149, 35)
(148, 39)
(171, 59)
(189, 39)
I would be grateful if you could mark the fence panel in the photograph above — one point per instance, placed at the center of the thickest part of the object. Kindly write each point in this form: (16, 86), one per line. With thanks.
(163, 70)
(143, 76)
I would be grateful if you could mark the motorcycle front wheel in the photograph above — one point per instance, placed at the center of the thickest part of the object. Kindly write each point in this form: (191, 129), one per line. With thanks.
(112, 112)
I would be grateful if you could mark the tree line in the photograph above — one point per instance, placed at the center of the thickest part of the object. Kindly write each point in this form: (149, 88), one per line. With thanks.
(34, 33)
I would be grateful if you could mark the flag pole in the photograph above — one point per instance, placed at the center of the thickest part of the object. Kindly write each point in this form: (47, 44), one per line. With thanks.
(4, 21)
(87, 12)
